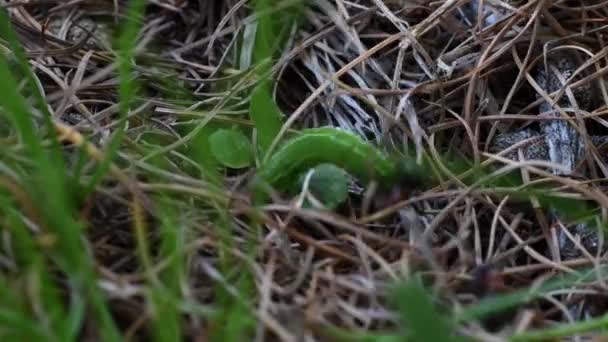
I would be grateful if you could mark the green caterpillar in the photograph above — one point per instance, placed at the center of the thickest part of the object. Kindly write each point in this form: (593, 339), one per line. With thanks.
(343, 149)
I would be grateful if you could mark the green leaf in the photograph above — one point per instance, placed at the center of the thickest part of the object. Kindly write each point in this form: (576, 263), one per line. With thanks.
(231, 148)
(271, 36)
(329, 184)
(266, 116)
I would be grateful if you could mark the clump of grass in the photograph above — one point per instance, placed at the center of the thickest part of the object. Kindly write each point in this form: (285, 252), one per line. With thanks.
(136, 221)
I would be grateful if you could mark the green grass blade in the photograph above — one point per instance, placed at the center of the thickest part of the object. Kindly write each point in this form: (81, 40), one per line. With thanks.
(166, 295)
(266, 116)
(567, 330)
(509, 300)
(47, 183)
(423, 322)
(270, 36)
(127, 86)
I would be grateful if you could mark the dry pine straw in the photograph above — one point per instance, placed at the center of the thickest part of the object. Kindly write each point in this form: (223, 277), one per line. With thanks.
(394, 72)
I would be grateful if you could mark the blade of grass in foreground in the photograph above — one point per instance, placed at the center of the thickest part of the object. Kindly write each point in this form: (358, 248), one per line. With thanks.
(417, 311)
(234, 320)
(22, 327)
(126, 89)
(230, 317)
(47, 183)
(506, 301)
(566, 330)
(15, 320)
(166, 293)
